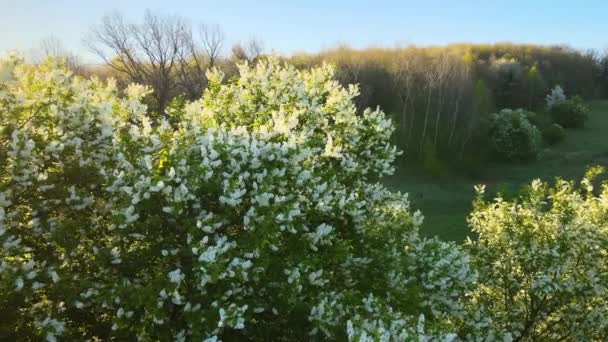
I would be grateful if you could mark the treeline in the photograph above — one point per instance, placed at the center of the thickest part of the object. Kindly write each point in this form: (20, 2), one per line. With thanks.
(440, 96)
(165, 52)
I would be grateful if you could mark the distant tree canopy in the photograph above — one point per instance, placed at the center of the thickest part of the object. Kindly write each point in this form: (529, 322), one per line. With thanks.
(260, 214)
(440, 95)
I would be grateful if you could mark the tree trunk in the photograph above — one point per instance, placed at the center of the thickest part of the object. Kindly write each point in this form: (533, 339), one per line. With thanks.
(454, 119)
(438, 115)
(426, 117)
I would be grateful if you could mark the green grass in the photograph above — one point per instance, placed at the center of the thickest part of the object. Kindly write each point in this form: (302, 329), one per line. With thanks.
(446, 202)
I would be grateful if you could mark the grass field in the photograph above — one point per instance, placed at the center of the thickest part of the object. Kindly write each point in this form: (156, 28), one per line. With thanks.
(446, 202)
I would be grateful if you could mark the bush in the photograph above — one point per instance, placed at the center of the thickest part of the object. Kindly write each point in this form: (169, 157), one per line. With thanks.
(444, 82)
(254, 218)
(555, 97)
(541, 258)
(554, 134)
(571, 113)
(541, 120)
(513, 137)
(261, 215)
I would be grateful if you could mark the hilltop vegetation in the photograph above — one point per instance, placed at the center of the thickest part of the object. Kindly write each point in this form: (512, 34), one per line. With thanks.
(257, 213)
(187, 195)
(446, 200)
(439, 97)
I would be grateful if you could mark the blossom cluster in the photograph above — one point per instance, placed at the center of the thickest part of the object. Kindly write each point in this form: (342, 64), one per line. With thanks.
(256, 212)
(543, 271)
(555, 97)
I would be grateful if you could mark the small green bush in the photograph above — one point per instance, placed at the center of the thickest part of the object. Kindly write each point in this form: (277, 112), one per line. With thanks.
(513, 137)
(554, 134)
(541, 120)
(571, 113)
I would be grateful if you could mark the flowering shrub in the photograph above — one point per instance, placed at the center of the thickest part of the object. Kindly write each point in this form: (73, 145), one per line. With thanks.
(555, 97)
(571, 113)
(542, 262)
(254, 214)
(512, 135)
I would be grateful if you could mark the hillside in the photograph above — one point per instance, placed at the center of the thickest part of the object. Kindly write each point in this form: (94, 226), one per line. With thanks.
(446, 202)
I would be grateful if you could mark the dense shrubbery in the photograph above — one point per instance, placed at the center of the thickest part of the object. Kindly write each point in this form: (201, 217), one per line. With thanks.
(553, 134)
(570, 113)
(439, 95)
(543, 271)
(432, 93)
(512, 135)
(255, 215)
(538, 119)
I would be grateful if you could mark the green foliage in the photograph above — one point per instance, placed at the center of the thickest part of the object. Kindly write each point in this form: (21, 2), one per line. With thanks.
(437, 89)
(570, 113)
(506, 78)
(257, 215)
(554, 134)
(540, 119)
(602, 73)
(541, 258)
(513, 137)
(175, 109)
(535, 84)
(483, 102)
(446, 201)
(431, 162)
(472, 166)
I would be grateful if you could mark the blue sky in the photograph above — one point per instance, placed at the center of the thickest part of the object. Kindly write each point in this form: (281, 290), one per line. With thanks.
(289, 26)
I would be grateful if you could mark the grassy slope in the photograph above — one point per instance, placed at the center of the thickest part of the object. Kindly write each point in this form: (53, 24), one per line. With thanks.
(446, 202)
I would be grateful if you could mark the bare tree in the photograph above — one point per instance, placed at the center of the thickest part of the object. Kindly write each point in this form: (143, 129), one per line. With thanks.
(162, 52)
(419, 75)
(431, 83)
(191, 68)
(461, 81)
(444, 73)
(434, 93)
(403, 82)
(52, 46)
(197, 56)
(212, 38)
(250, 51)
(146, 53)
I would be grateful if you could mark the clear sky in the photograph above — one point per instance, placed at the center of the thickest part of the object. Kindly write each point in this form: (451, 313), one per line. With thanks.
(288, 26)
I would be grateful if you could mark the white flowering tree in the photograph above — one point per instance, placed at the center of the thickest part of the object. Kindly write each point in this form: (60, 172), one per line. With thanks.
(543, 262)
(255, 215)
(555, 97)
